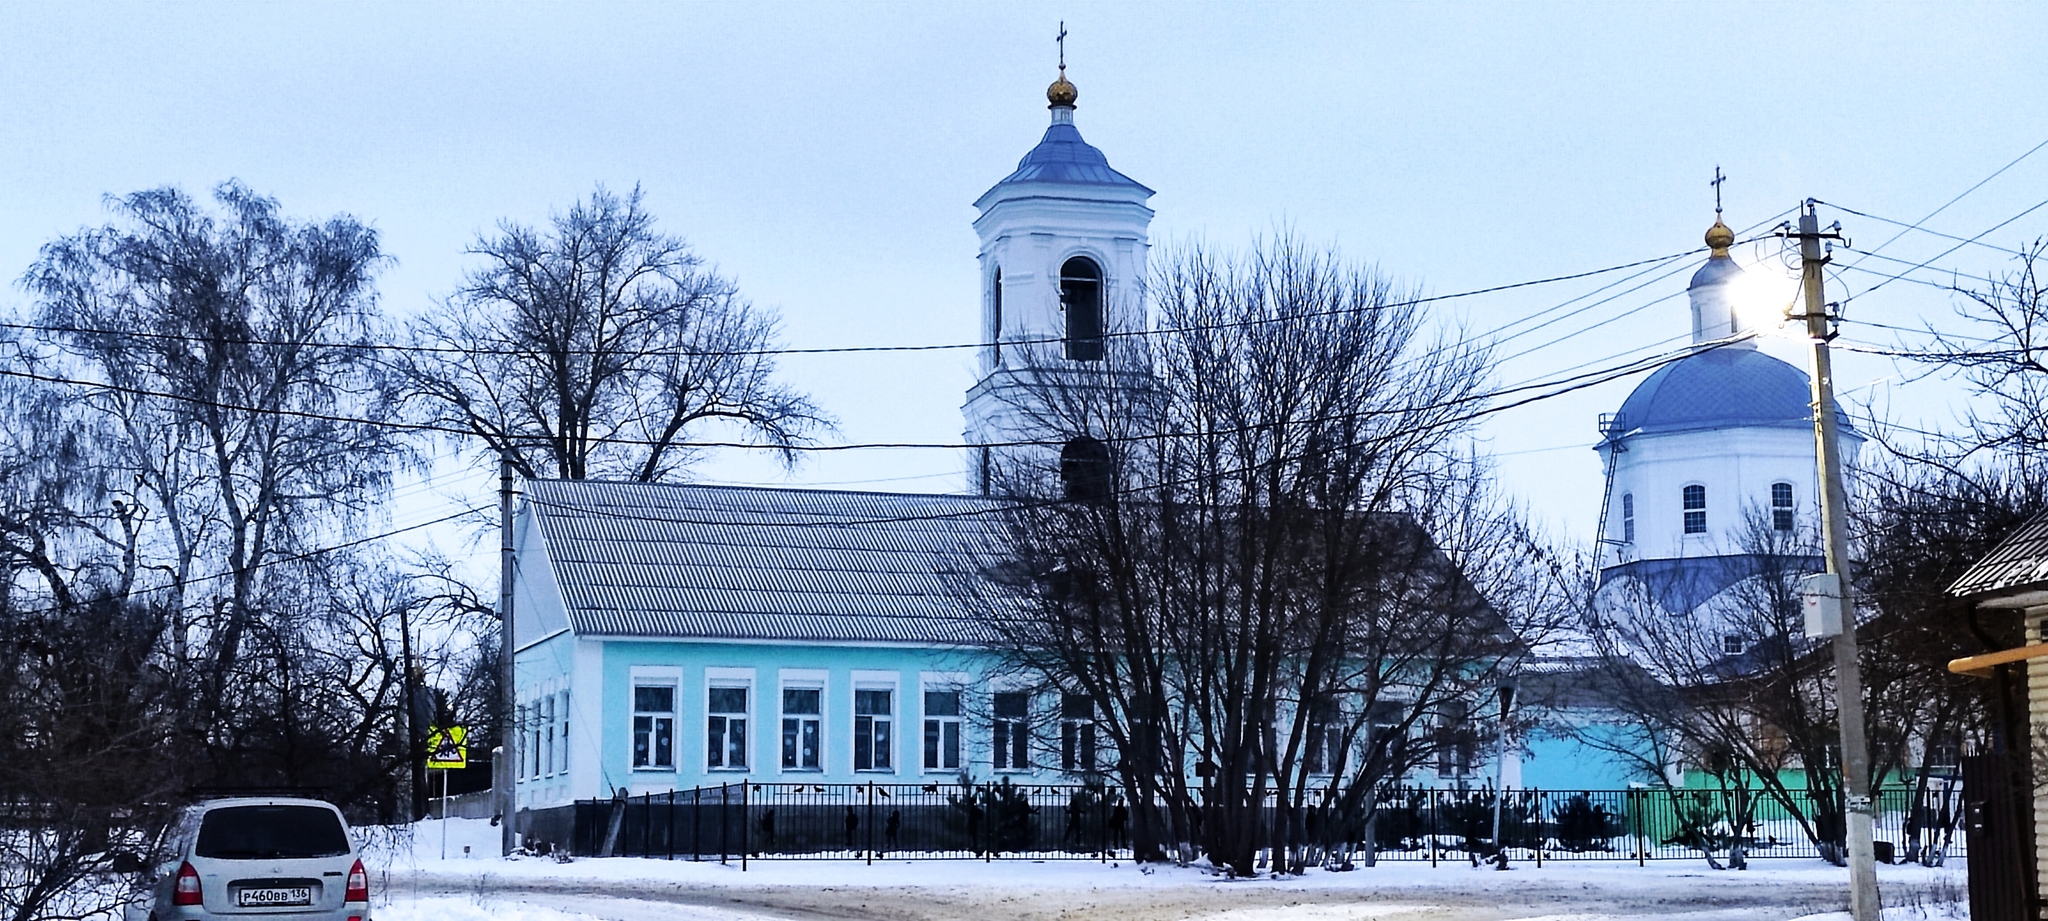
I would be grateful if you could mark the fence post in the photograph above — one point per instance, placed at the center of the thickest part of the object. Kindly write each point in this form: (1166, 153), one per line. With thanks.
(670, 824)
(746, 825)
(988, 824)
(1431, 798)
(871, 823)
(696, 823)
(1542, 809)
(1102, 825)
(647, 824)
(1635, 799)
(724, 825)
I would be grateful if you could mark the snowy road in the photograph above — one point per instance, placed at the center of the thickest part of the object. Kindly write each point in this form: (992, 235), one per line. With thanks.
(415, 884)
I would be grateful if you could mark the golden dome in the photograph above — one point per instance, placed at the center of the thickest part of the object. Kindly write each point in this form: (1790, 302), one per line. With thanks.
(1719, 237)
(1061, 93)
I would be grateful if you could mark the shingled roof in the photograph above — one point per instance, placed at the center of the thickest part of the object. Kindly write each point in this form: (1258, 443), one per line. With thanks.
(2015, 574)
(727, 562)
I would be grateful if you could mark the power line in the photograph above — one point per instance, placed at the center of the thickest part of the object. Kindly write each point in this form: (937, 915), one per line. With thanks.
(686, 445)
(292, 558)
(2036, 207)
(1909, 227)
(834, 350)
(1016, 505)
(1945, 205)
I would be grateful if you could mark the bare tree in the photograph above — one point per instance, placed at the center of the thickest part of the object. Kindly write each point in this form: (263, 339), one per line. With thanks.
(227, 353)
(597, 346)
(1233, 564)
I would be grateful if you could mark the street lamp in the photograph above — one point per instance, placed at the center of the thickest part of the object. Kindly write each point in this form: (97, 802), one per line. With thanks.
(1506, 690)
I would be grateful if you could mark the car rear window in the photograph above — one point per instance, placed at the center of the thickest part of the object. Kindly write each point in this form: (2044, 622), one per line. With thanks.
(270, 833)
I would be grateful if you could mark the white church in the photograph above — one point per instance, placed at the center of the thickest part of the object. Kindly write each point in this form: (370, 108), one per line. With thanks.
(1707, 450)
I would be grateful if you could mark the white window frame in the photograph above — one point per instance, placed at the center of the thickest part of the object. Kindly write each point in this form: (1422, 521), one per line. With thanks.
(954, 683)
(724, 677)
(1003, 731)
(547, 718)
(1080, 738)
(1787, 513)
(802, 679)
(1628, 518)
(877, 680)
(652, 676)
(1686, 512)
(562, 735)
(1325, 740)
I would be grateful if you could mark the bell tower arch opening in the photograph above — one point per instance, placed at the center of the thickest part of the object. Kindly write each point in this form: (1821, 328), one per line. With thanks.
(1081, 301)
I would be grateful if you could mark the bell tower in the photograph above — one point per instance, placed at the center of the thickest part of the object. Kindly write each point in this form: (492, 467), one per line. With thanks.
(1063, 246)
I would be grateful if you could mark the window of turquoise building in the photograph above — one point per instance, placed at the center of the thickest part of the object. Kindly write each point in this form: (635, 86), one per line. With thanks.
(1077, 733)
(1012, 731)
(1325, 738)
(942, 730)
(802, 715)
(873, 719)
(726, 747)
(547, 717)
(564, 763)
(1457, 741)
(654, 727)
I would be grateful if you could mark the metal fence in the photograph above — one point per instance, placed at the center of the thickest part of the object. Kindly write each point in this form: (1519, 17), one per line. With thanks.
(1650, 824)
(983, 821)
(987, 821)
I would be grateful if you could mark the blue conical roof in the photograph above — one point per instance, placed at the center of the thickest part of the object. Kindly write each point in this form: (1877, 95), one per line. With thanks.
(1061, 156)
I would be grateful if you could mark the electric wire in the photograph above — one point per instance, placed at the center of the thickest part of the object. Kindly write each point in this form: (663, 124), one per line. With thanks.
(690, 353)
(996, 506)
(1916, 225)
(1944, 253)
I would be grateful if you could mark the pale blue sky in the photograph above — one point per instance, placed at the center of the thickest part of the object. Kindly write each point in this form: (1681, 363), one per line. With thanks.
(826, 155)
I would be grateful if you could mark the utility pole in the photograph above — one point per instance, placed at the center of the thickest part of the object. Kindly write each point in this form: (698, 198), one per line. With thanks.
(1863, 899)
(502, 772)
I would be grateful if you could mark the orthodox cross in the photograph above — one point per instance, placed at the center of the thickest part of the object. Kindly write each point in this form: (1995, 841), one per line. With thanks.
(1718, 179)
(1062, 39)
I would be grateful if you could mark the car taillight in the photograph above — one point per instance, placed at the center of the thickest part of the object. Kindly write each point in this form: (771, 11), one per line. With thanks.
(187, 892)
(358, 885)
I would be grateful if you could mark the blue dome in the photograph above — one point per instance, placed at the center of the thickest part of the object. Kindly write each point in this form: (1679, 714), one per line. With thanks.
(1061, 156)
(1724, 388)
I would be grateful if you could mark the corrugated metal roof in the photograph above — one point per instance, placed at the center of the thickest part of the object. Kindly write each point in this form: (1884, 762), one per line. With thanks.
(727, 562)
(2019, 561)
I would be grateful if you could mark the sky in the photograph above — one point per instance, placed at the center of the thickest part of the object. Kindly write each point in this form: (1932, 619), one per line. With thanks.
(825, 157)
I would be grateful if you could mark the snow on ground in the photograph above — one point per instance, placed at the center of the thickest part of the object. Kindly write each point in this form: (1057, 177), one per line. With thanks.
(416, 883)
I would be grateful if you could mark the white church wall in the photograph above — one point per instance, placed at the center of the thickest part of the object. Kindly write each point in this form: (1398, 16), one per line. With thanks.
(1737, 467)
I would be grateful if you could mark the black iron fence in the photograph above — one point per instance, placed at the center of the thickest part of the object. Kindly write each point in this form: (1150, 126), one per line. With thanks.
(986, 821)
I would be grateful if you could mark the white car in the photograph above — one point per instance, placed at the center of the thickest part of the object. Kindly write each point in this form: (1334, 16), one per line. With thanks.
(257, 859)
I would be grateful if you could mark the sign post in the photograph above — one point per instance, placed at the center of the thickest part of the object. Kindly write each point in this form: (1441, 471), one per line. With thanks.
(446, 752)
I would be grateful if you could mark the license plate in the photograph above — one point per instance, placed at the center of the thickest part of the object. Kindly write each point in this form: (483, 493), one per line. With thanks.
(293, 895)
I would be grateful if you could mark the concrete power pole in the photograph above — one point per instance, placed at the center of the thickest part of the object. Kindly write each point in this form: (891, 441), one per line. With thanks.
(1863, 898)
(502, 770)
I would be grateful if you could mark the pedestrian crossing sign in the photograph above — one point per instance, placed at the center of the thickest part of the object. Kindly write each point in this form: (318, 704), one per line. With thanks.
(445, 748)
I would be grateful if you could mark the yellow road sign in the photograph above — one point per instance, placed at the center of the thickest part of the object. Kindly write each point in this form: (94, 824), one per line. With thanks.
(445, 749)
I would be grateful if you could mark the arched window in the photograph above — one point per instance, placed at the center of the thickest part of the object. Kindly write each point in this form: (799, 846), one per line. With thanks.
(995, 326)
(1695, 509)
(1781, 506)
(1084, 469)
(1081, 299)
(1628, 518)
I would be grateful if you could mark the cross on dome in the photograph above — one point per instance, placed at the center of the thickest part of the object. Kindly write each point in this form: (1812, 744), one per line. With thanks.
(1061, 94)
